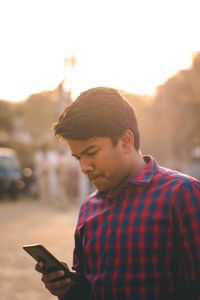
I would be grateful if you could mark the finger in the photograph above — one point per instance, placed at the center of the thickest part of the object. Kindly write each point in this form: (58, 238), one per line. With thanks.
(39, 267)
(52, 276)
(57, 285)
(61, 291)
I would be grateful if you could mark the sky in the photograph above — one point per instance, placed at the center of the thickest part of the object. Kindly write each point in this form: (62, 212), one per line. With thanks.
(134, 45)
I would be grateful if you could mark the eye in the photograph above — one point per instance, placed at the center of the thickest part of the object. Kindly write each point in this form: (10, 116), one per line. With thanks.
(92, 153)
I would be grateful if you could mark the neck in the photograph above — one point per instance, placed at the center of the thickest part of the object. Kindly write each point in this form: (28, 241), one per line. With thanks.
(137, 164)
(134, 165)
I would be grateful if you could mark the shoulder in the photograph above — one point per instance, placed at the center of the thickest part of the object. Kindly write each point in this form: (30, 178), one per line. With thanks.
(184, 188)
(180, 180)
(175, 188)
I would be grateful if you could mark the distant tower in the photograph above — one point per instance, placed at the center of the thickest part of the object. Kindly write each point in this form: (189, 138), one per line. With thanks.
(64, 88)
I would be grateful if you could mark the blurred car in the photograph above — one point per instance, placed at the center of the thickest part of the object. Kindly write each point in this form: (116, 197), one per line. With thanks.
(10, 172)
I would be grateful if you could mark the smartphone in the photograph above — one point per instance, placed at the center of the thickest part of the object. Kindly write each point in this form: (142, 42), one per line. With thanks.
(51, 263)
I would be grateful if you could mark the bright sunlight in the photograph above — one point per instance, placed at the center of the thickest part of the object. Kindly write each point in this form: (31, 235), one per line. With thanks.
(132, 45)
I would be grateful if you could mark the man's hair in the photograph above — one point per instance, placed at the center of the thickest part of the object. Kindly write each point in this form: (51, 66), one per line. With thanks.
(98, 112)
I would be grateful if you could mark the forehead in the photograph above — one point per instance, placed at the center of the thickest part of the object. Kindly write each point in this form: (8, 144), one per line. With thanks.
(78, 146)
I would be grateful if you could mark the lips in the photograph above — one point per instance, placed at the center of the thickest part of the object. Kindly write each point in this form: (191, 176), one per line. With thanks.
(92, 178)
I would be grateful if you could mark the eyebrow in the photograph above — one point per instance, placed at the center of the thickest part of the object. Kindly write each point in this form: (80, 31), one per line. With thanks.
(86, 150)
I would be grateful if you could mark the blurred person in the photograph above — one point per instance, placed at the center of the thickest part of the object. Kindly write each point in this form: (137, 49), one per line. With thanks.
(62, 174)
(72, 184)
(138, 235)
(67, 178)
(85, 187)
(42, 167)
(73, 181)
(45, 169)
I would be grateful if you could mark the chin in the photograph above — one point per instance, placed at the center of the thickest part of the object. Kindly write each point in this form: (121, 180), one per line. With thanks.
(103, 186)
(100, 189)
(103, 189)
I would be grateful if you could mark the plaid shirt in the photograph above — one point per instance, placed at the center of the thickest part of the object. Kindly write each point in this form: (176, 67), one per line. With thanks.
(142, 243)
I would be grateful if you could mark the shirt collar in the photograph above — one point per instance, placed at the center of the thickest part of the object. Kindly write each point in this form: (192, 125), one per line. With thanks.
(147, 173)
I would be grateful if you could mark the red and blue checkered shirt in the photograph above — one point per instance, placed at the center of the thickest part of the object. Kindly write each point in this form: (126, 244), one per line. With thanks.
(142, 243)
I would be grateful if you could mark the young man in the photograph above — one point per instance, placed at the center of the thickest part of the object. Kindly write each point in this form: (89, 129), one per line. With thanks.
(138, 235)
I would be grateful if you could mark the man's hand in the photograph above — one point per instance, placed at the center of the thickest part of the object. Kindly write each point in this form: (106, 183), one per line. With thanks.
(53, 281)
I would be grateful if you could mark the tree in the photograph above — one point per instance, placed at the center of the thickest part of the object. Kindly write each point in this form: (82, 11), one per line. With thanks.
(177, 107)
(6, 115)
(40, 112)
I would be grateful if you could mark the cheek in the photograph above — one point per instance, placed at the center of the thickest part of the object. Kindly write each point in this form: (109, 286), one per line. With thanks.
(111, 164)
(103, 163)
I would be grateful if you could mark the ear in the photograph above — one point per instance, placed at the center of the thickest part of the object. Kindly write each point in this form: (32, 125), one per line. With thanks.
(127, 140)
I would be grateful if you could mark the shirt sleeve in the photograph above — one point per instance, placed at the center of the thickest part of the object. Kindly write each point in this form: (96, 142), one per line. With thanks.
(187, 209)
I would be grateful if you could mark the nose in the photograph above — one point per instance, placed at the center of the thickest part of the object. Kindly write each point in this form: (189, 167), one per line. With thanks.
(86, 165)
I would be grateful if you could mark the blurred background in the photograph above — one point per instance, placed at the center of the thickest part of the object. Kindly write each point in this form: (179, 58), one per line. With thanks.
(50, 52)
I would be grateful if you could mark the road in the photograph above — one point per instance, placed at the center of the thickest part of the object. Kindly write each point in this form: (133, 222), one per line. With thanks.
(27, 222)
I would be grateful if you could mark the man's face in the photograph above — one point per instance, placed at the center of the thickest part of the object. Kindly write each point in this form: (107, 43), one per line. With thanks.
(102, 162)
